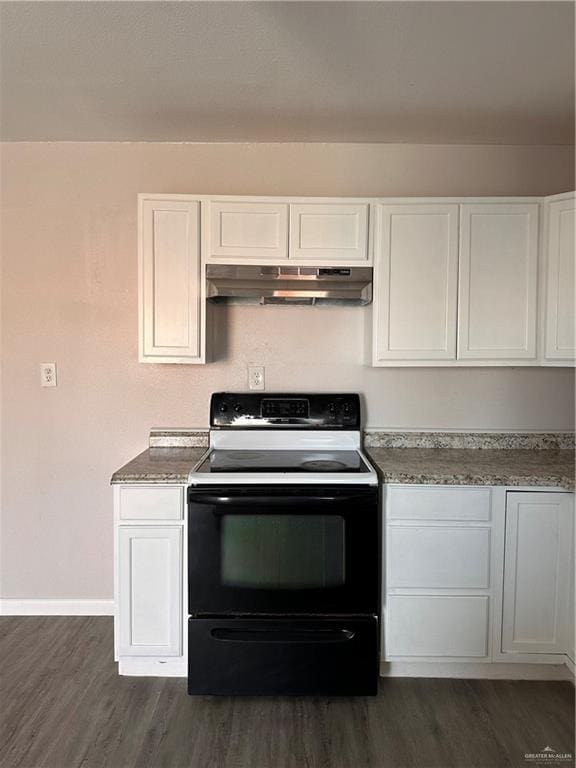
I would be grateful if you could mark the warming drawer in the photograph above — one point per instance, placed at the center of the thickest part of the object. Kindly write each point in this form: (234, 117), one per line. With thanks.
(245, 657)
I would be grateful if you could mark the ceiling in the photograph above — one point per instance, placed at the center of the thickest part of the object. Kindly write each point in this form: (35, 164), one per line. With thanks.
(417, 72)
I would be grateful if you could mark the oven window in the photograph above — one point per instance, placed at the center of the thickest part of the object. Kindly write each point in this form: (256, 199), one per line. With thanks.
(282, 551)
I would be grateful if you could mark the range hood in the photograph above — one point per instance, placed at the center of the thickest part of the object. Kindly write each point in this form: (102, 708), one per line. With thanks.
(289, 285)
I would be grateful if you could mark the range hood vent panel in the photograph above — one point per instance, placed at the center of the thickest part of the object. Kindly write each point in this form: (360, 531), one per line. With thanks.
(289, 285)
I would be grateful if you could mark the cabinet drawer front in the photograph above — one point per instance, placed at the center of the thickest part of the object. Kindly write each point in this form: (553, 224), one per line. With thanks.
(445, 558)
(151, 503)
(438, 503)
(338, 232)
(437, 626)
(248, 230)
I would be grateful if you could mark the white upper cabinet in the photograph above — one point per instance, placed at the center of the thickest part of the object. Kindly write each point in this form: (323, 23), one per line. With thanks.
(247, 230)
(335, 232)
(171, 311)
(560, 336)
(538, 552)
(416, 267)
(497, 282)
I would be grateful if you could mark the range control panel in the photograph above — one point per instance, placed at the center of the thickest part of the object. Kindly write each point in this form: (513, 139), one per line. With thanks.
(245, 410)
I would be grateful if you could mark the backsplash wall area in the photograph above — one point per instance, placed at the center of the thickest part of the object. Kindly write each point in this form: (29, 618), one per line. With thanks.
(69, 295)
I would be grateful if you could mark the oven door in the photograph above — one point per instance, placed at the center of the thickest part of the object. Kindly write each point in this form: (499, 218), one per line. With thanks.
(278, 550)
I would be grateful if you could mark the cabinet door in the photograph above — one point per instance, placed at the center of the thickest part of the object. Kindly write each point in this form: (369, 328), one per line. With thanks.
(248, 230)
(536, 572)
(335, 232)
(416, 265)
(150, 590)
(560, 341)
(170, 290)
(497, 281)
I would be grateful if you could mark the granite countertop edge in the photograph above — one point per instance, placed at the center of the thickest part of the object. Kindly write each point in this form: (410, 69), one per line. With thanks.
(545, 468)
(539, 481)
(160, 465)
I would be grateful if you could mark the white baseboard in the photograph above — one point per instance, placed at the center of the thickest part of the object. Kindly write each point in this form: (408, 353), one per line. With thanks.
(476, 671)
(16, 607)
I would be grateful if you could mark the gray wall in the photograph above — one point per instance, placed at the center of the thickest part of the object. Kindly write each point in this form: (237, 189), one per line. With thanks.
(69, 294)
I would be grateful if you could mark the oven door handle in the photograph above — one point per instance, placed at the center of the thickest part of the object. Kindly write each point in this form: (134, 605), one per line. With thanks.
(223, 503)
(284, 636)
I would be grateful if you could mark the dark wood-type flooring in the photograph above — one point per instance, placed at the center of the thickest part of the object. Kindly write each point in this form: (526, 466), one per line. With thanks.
(63, 705)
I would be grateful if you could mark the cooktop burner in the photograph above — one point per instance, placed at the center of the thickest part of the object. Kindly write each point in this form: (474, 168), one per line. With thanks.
(323, 465)
(283, 461)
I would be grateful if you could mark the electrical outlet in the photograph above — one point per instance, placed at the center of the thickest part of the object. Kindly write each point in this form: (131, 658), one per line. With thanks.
(48, 374)
(256, 377)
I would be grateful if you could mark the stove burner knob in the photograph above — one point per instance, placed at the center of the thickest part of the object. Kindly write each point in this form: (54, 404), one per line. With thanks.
(238, 408)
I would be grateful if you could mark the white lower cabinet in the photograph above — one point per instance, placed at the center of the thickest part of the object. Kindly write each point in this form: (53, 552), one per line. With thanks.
(537, 564)
(478, 574)
(439, 585)
(149, 589)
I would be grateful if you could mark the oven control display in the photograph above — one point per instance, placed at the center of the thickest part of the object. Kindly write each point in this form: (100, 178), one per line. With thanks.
(277, 408)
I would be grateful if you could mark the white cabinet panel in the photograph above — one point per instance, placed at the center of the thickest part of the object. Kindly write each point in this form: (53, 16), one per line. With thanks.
(248, 230)
(560, 343)
(145, 502)
(497, 281)
(431, 625)
(170, 292)
(150, 576)
(416, 265)
(570, 619)
(536, 572)
(438, 558)
(417, 502)
(336, 232)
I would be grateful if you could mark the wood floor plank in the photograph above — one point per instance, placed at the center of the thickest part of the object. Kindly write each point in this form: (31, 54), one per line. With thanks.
(65, 706)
